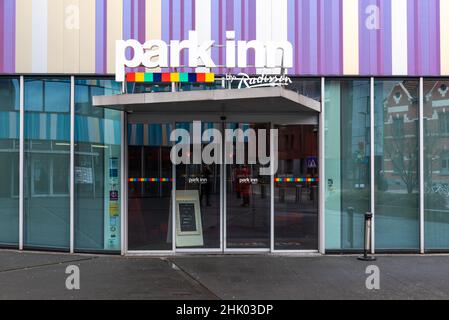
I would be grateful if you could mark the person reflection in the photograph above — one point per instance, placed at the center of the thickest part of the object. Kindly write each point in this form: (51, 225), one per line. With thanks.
(206, 172)
(243, 184)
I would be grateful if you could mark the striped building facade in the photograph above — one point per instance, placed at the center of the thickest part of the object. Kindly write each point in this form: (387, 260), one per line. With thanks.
(350, 37)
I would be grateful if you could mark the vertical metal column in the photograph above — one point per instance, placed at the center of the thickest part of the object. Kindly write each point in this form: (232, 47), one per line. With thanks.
(421, 166)
(372, 167)
(124, 184)
(21, 161)
(72, 164)
(222, 195)
(173, 207)
(321, 173)
(272, 174)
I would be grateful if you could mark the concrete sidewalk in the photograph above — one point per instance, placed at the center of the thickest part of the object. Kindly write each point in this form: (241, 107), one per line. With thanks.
(25, 275)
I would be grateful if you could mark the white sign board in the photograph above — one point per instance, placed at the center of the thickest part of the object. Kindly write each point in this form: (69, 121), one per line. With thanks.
(189, 227)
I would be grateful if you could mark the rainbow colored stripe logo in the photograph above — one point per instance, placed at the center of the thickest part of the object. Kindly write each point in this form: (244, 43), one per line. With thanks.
(150, 179)
(167, 77)
(296, 179)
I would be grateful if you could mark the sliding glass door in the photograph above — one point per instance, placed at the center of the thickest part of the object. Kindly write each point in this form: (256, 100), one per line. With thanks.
(248, 192)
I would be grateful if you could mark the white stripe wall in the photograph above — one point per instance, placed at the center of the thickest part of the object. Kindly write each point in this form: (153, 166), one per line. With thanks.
(263, 25)
(279, 26)
(351, 37)
(399, 37)
(271, 24)
(444, 32)
(203, 24)
(39, 36)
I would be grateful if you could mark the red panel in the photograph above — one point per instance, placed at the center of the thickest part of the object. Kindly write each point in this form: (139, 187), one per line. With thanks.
(166, 77)
(200, 77)
(131, 77)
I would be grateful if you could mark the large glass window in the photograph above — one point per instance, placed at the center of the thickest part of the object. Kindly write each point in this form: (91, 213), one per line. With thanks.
(97, 168)
(47, 158)
(347, 162)
(397, 164)
(9, 160)
(436, 163)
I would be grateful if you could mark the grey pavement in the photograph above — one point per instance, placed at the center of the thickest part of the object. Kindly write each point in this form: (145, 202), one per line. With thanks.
(27, 275)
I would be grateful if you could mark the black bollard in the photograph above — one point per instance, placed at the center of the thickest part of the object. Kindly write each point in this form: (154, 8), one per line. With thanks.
(367, 245)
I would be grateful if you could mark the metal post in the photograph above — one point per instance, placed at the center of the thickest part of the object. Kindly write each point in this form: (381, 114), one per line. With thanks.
(21, 162)
(367, 244)
(72, 164)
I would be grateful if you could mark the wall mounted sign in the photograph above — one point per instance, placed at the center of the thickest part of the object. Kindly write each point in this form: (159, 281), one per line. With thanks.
(263, 80)
(155, 53)
(83, 175)
(168, 77)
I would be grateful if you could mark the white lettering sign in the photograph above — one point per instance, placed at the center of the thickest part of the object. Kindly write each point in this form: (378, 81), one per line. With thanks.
(154, 53)
(245, 81)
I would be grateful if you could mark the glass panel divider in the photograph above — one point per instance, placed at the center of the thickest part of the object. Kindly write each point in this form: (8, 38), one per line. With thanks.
(72, 164)
(321, 173)
(124, 187)
(272, 190)
(21, 162)
(372, 164)
(173, 199)
(421, 165)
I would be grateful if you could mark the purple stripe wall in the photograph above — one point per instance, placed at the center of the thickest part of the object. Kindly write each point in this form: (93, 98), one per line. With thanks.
(375, 44)
(314, 29)
(2, 34)
(7, 36)
(100, 36)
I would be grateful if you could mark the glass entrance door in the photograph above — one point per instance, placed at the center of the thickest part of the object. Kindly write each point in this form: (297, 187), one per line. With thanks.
(198, 185)
(149, 187)
(248, 192)
(228, 204)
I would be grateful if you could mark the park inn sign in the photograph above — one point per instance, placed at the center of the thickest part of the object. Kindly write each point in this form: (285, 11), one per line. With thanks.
(155, 53)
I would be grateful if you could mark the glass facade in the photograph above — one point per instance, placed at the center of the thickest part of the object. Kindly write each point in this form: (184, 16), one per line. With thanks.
(346, 180)
(347, 162)
(97, 168)
(296, 195)
(9, 160)
(47, 163)
(436, 164)
(396, 106)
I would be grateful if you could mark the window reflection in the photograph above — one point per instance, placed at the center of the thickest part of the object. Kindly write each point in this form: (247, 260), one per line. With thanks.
(296, 189)
(9, 160)
(436, 163)
(97, 163)
(347, 162)
(397, 164)
(47, 158)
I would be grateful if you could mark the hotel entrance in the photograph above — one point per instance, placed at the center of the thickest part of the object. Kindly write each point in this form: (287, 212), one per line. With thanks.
(257, 191)
(228, 206)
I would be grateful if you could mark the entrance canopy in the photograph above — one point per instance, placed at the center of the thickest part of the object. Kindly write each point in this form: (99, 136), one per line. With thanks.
(254, 100)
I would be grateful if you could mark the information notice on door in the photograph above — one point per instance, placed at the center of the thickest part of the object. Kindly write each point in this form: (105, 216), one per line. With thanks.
(189, 229)
(187, 217)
